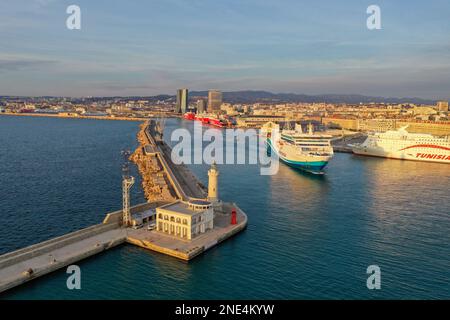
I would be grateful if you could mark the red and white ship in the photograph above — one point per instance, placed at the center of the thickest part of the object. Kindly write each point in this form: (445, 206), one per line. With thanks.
(208, 119)
(189, 116)
(400, 144)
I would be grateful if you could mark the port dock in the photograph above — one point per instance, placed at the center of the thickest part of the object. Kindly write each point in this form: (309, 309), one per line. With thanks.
(187, 250)
(177, 186)
(341, 144)
(187, 188)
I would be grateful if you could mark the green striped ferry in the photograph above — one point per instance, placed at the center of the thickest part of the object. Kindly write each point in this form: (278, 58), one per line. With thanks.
(309, 151)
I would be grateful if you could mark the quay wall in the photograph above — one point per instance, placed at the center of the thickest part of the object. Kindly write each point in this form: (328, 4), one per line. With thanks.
(16, 281)
(86, 242)
(151, 246)
(32, 251)
(171, 176)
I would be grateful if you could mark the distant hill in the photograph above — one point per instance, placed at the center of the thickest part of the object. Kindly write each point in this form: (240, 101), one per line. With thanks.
(252, 96)
(249, 96)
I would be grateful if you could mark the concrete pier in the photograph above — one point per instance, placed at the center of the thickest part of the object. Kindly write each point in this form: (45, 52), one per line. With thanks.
(37, 260)
(187, 188)
(29, 263)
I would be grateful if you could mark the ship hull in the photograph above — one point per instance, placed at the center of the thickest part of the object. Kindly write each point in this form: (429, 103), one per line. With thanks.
(421, 154)
(312, 164)
(207, 120)
(189, 116)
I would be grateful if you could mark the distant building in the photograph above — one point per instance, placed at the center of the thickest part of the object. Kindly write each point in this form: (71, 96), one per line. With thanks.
(119, 108)
(430, 127)
(423, 110)
(246, 109)
(182, 101)
(214, 100)
(80, 110)
(201, 105)
(442, 106)
(257, 121)
(378, 125)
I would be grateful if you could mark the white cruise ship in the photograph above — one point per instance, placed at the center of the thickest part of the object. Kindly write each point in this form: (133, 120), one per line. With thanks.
(400, 144)
(304, 151)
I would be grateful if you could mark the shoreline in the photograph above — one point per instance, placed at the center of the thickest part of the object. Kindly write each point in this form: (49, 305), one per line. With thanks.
(81, 116)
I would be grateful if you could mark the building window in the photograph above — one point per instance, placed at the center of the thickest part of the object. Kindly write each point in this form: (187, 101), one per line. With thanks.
(184, 221)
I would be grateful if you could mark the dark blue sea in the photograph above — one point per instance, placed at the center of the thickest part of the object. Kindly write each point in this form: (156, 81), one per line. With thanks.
(308, 236)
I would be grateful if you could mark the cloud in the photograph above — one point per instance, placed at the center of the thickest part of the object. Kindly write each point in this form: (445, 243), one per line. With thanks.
(23, 64)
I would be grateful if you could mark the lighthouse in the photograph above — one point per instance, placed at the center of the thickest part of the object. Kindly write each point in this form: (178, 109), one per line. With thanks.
(213, 191)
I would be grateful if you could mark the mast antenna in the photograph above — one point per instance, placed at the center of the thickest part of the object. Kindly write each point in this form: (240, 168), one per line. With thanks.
(127, 183)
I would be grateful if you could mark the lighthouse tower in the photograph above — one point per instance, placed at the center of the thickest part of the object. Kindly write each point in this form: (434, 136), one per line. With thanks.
(213, 191)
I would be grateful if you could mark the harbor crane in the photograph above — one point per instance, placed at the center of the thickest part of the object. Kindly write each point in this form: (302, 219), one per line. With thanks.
(127, 183)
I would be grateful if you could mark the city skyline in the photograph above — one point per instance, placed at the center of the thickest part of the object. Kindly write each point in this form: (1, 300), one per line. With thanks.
(141, 49)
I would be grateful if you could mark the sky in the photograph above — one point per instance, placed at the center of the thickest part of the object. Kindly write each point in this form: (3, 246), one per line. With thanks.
(149, 47)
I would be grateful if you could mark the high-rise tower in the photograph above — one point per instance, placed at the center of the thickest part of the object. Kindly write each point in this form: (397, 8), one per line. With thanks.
(182, 101)
(214, 100)
(201, 105)
(442, 106)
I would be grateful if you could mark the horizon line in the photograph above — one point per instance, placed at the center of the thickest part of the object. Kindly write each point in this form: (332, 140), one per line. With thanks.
(233, 91)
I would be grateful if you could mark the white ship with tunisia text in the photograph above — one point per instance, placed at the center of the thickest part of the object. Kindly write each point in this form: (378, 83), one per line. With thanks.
(401, 144)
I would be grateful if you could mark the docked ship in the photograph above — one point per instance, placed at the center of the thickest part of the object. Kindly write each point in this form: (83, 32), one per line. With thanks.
(304, 151)
(209, 119)
(189, 116)
(401, 144)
